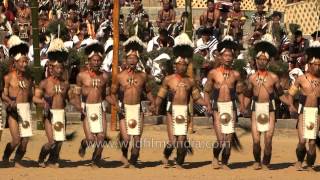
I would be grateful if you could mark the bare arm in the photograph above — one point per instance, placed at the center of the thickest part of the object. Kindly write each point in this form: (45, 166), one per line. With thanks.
(162, 93)
(196, 96)
(74, 94)
(38, 94)
(114, 90)
(207, 90)
(5, 94)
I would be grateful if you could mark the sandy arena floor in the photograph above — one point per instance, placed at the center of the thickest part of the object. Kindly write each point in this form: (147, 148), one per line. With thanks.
(198, 166)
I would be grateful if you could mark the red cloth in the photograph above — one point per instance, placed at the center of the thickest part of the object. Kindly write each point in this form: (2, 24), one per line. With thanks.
(10, 16)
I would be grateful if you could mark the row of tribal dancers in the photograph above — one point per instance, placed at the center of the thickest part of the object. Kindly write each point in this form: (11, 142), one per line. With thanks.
(220, 95)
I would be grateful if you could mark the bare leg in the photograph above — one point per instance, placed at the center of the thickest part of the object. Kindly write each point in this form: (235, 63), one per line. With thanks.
(311, 154)
(124, 142)
(88, 141)
(14, 131)
(181, 150)
(96, 157)
(21, 151)
(135, 150)
(301, 147)
(256, 143)
(268, 141)
(218, 144)
(46, 148)
(172, 140)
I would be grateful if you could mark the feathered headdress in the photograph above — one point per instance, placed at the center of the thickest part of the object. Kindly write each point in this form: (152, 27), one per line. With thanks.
(313, 52)
(57, 51)
(227, 44)
(93, 48)
(17, 47)
(183, 47)
(134, 45)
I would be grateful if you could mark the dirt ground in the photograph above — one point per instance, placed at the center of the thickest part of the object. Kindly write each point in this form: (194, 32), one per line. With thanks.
(197, 165)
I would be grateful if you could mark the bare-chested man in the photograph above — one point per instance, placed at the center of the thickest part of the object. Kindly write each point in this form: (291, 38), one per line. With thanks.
(166, 16)
(17, 95)
(210, 17)
(132, 83)
(92, 85)
(263, 87)
(178, 88)
(51, 94)
(220, 90)
(308, 121)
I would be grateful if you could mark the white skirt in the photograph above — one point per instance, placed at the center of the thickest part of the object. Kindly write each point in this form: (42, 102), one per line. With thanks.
(25, 126)
(310, 122)
(133, 119)
(94, 117)
(58, 124)
(225, 109)
(262, 116)
(180, 119)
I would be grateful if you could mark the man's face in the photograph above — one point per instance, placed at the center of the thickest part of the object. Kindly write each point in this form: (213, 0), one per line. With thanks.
(166, 5)
(22, 64)
(210, 6)
(84, 32)
(260, 8)
(182, 67)
(227, 58)
(132, 61)
(298, 38)
(57, 70)
(95, 62)
(236, 6)
(136, 5)
(262, 62)
(163, 39)
(205, 37)
(276, 19)
(315, 67)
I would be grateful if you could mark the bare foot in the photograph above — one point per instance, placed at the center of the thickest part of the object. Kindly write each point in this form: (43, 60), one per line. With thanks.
(125, 162)
(298, 166)
(265, 167)
(179, 166)
(225, 167)
(42, 164)
(165, 163)
(18, 165)
(53, 165)
(257, 166)
(215, 164)
(311, 169)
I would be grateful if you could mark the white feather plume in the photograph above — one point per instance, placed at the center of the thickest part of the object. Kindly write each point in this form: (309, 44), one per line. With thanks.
(315, 44)
(14, 41)
(57, 45)
(183, 39)
(135, 39)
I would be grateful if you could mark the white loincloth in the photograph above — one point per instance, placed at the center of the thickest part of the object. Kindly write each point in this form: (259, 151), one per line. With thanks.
(180, 128)
(94, 117)
(25, 115)
(226, 107)
(262, 108)
(58, 118)
(133, 115)
(310, 116)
